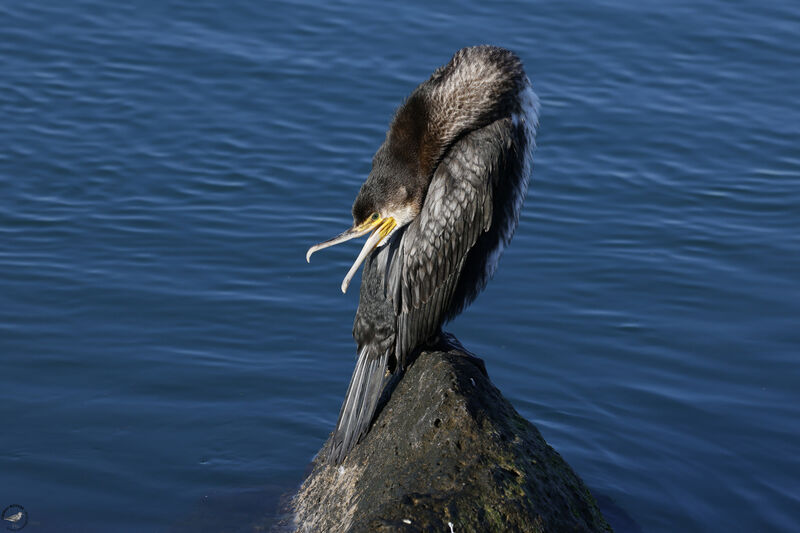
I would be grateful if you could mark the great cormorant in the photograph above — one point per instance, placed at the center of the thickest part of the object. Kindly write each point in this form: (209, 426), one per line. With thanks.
(440, 204)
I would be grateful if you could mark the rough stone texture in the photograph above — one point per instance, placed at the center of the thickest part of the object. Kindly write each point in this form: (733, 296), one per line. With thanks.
(447, 448)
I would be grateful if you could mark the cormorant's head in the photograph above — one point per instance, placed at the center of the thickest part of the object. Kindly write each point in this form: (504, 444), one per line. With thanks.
(383, 205)
(392, 191)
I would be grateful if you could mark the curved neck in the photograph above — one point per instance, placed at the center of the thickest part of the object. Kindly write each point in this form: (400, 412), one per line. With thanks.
(478, 86)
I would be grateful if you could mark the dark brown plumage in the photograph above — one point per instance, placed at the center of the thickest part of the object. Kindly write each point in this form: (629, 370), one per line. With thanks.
(442, 201)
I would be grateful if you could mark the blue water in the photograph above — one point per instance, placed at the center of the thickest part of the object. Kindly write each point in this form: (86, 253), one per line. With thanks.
(168, 358)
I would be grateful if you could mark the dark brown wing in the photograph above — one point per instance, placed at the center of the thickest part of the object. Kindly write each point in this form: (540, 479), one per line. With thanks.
(450, 250)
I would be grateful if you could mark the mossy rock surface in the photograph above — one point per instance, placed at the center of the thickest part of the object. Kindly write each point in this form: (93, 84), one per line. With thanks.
(447, 449)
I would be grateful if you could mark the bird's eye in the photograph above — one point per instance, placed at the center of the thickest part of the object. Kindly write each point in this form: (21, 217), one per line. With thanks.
(374, 217)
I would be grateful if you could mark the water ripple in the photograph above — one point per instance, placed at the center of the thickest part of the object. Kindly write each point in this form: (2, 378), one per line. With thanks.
(165, 166)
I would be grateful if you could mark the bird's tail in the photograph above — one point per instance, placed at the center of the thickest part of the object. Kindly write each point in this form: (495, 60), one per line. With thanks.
(366, 385)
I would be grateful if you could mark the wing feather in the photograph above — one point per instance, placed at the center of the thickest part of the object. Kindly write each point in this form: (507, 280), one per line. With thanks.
(458, 210)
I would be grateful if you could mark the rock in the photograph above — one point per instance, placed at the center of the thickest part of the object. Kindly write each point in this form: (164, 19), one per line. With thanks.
(447, 453)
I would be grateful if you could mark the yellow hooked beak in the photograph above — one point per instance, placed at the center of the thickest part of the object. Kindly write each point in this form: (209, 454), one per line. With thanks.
(380, 227)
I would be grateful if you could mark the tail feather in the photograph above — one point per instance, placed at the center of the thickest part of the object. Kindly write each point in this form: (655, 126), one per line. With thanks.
(366, 385)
